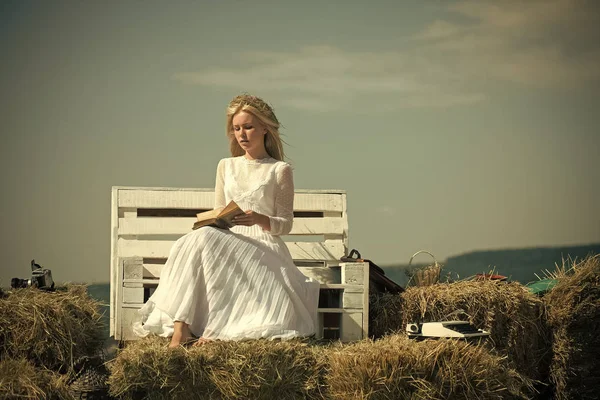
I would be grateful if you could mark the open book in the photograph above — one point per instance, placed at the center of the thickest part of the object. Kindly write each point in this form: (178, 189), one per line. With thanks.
(221, 217)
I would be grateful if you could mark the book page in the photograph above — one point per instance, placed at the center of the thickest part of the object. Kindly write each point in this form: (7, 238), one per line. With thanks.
(232, 207)
(230, 211)
(209, 214)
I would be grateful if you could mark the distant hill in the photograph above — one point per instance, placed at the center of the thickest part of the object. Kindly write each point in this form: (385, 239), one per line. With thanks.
(519, 264)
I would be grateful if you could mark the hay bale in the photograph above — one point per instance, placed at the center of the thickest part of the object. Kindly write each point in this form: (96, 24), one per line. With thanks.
(385, 314)
(391, 368)
(514, 317)
(51, 329)
(257, 369)
(574, 317)
(396, 367)
(20, 379)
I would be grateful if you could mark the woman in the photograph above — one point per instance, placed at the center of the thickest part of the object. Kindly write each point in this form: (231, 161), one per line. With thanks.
(241, 283)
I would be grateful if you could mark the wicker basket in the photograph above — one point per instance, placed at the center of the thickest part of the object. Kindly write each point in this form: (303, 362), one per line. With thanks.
(425, 276)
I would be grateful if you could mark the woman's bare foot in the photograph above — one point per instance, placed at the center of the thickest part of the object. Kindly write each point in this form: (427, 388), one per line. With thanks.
(178, 339)
(181, 334)
(202, 341)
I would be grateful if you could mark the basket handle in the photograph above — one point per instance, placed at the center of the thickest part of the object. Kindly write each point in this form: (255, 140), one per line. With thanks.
(419, 252)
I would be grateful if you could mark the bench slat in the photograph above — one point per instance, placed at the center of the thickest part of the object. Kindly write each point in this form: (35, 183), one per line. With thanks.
(328, 276)
(137, 306)
(181, 226)
(325, 275)
(166, 199)
(205, 200)
(337, 286)
(327, 250)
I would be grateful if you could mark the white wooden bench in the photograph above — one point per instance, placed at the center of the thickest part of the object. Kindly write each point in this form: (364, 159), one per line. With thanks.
(147, 221)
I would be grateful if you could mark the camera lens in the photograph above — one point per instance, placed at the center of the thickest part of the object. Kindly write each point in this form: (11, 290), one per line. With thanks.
(17, 283)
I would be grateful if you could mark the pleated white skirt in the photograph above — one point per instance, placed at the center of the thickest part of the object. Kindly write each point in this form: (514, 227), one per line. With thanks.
(231, 285)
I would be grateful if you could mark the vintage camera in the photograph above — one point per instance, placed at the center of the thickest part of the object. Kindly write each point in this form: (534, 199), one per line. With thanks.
(41, 278)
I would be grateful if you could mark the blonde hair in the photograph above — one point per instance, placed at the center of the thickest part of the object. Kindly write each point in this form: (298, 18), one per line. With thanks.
(264, 112)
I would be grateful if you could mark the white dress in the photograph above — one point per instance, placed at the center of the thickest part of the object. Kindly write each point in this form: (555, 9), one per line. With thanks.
(241, 283)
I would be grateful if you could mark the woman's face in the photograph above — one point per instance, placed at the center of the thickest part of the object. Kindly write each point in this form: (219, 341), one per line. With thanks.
(249, 132)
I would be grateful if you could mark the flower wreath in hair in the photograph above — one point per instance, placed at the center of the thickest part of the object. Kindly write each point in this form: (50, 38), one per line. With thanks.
(259, 104)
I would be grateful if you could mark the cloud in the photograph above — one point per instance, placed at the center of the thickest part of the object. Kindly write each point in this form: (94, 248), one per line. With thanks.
(325, 78)
(450, 62)
(544, 44)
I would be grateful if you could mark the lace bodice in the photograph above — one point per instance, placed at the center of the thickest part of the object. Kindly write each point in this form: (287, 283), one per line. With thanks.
(265, 186)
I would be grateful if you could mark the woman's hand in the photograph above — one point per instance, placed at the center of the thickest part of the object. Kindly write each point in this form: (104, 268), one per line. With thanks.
(253, 218)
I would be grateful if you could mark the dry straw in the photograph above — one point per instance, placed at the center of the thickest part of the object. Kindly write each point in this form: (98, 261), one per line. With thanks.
(50, 329)
(515, 317)
(391, 368)
(574, 316)
(257, 369)
(396, 367)
(20, 379)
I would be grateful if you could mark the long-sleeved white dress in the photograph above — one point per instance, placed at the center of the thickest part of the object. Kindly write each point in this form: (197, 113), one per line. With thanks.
(241, 283)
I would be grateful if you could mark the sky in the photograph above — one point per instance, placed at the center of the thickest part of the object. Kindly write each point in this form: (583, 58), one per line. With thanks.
(453, 125)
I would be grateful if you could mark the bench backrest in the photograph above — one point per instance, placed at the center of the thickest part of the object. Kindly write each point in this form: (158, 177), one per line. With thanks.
(147, 221)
